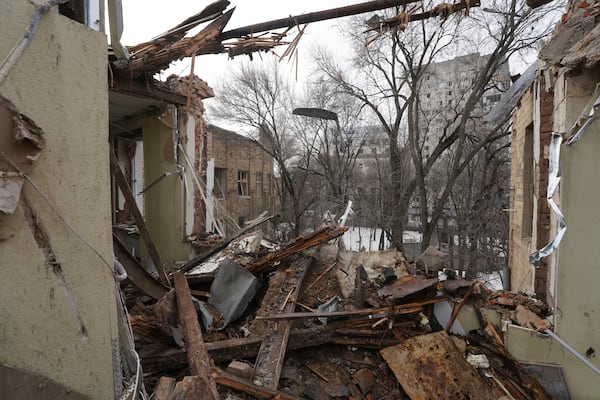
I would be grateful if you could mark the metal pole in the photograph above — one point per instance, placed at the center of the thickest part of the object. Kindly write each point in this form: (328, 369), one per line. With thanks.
(573, 351)
(316, 16)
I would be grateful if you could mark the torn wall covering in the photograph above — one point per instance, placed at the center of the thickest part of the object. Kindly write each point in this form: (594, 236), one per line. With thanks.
(22, 140)
(60, 84)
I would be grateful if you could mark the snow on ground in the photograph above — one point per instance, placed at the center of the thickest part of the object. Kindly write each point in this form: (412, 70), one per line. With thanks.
(360, 237)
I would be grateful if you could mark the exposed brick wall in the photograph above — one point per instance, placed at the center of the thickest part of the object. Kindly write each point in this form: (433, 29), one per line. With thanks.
(543, 218)
(520, 242)
(238, 153)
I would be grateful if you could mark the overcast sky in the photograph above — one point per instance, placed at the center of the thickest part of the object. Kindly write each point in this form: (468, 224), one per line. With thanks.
(145, 19)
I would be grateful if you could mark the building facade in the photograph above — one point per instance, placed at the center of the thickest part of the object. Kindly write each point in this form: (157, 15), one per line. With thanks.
(241, 180)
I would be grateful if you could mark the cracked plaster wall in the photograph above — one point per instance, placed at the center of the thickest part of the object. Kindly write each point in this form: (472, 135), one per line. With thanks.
(60, 83)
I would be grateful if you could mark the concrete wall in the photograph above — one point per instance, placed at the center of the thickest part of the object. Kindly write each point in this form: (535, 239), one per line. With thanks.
(164, 203)
(235, 152)
(578, 272)
(529, 346)
(60, 83)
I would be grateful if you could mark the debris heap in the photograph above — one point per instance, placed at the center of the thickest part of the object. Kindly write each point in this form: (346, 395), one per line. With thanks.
(310, 320)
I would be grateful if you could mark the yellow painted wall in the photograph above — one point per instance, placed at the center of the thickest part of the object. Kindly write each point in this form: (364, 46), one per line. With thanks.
(164, 202)
(60, 83)
(578, 272)
(529, 346)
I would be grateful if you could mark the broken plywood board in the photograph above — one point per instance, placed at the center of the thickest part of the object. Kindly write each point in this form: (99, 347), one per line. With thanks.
(269, 361)
(432, 367)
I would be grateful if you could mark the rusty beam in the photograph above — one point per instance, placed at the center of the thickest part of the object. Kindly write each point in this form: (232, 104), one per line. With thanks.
(139, 219)
(198, 359)
(316, 16)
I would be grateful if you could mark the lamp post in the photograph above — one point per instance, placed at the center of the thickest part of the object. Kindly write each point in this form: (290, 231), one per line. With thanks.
(322, 114)
(330, 115)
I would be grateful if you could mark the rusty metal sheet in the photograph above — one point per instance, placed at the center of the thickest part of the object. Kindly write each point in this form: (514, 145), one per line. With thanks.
(406, 285)
(431, 367)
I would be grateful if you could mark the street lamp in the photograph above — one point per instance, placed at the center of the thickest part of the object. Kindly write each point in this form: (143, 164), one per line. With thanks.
(321, 114)
(328, 115)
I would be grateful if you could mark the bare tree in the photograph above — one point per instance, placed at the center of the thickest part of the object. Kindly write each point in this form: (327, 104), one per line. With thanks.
(258, 97)
(393, 68)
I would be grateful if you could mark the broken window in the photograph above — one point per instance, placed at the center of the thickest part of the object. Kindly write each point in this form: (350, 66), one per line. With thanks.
(86, 12)
(268, 184)
(259, 183)
(220, 187)
(243, 180)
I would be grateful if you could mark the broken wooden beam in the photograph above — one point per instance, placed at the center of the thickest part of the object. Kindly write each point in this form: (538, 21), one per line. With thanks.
(300, 244)
(164, 388)
(203, 257)
(242, 385)
(139, 219)
(157, 358)
(267, 368)
(198, 359)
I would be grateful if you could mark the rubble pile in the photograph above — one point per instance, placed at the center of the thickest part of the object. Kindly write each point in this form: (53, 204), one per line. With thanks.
(310, 320)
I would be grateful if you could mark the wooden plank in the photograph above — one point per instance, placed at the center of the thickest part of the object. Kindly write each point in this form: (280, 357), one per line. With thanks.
(269, 361)
(240, 384)
(198, 359)
(139, 219)
(301, 243)
(164, 388)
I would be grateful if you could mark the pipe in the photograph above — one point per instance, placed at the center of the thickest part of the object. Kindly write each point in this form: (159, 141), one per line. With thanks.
(573, 351)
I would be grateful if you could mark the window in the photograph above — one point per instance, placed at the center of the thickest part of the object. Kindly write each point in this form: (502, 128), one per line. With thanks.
(243, 180)
(493, 98)
(268, 182)
(242, 221)
(220, 186)
(259, 183)
(428, 95)
(86, 12)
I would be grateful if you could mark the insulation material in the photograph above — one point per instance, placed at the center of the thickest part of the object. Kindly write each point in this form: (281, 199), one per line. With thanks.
(553, 181)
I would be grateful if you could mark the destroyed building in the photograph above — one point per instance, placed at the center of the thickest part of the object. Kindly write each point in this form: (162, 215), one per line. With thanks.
(554, 218)
(308, 320)
(243, 180)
